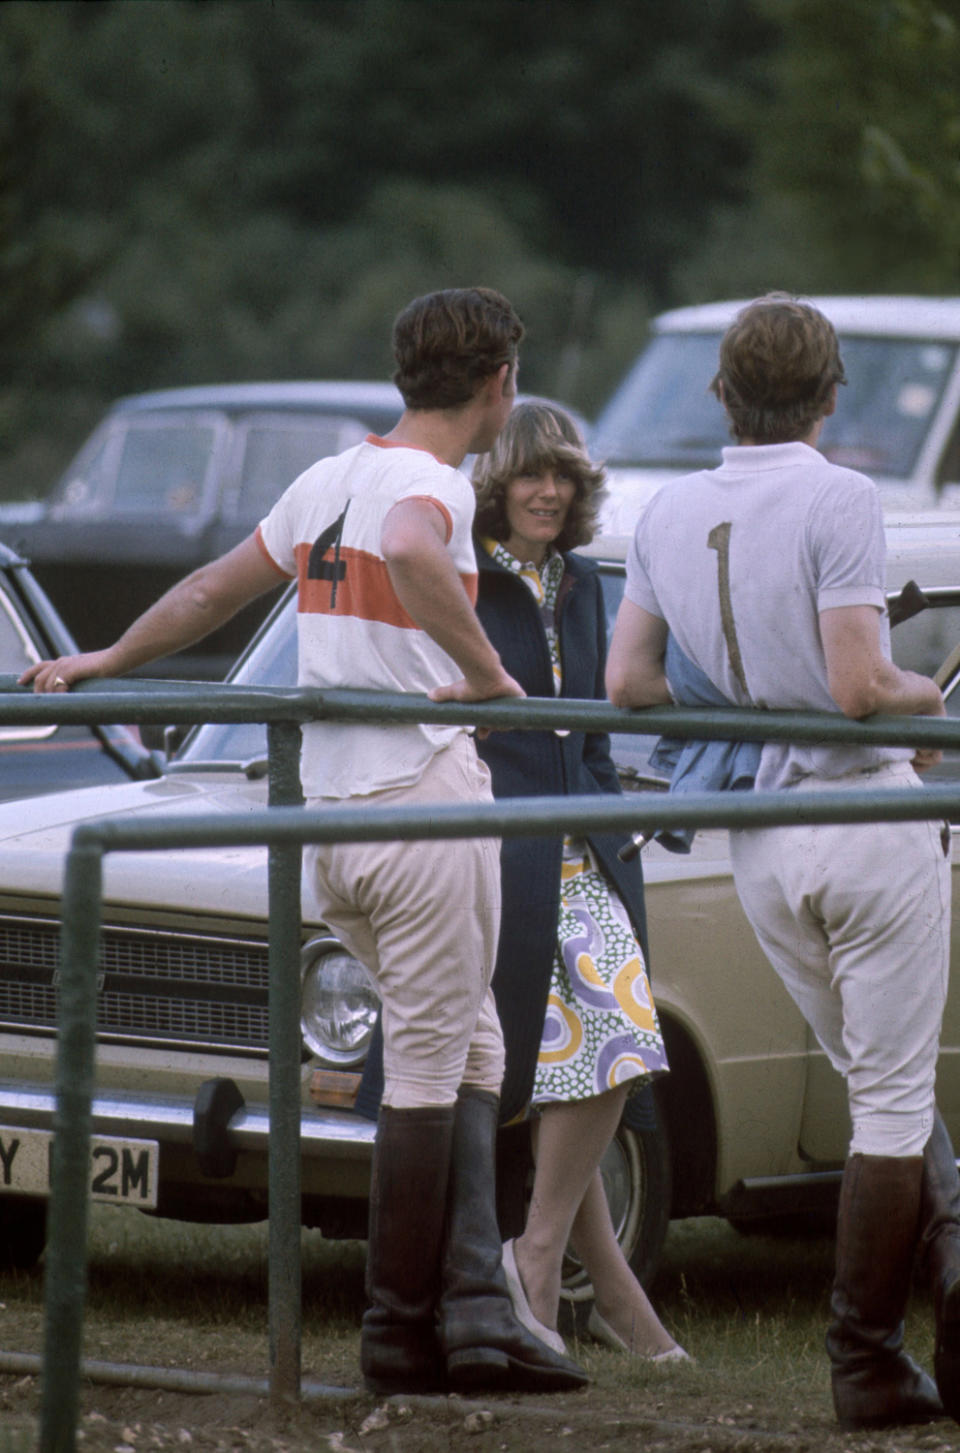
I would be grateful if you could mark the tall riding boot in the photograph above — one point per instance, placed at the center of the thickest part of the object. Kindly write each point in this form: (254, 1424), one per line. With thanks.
(485, 1345)
(875, 1383)
(940, 1218)
(399, 1349)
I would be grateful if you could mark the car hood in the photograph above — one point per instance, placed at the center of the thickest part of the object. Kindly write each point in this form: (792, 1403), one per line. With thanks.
(228, 881)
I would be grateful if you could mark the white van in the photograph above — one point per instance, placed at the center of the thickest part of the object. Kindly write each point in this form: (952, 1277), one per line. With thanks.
(897, 419)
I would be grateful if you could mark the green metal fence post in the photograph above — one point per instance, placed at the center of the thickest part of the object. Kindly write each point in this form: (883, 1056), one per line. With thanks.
(284, 1294)
(66, 1266)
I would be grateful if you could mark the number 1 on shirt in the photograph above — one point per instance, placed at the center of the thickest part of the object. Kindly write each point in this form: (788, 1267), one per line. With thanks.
(719, 540)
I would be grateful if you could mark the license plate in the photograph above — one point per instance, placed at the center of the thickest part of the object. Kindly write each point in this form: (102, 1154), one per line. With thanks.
(121, 1171)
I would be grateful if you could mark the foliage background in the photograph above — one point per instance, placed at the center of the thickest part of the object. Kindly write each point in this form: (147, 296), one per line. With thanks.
(206, 190)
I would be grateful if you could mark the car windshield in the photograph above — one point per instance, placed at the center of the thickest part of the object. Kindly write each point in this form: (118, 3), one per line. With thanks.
(271, 661)
(138, 467)
(663, 415)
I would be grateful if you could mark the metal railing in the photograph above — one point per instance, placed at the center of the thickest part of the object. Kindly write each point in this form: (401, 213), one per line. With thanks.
(284, 828)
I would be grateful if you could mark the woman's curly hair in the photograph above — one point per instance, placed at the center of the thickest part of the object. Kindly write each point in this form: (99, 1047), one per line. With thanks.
(538, 436)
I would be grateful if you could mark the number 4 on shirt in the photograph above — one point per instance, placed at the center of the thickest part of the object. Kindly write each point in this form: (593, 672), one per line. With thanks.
(319, 567)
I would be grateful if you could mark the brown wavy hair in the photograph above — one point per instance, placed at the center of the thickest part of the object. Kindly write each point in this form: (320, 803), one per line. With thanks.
(539, 436)
(446, 343)
(779, 361)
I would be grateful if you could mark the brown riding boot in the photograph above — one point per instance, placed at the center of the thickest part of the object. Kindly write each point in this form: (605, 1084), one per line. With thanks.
(940, 1242)
(875, 1383)
(486, 1346)
(399, 1348)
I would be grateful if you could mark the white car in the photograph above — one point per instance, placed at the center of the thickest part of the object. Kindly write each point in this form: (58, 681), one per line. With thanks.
(897, 418)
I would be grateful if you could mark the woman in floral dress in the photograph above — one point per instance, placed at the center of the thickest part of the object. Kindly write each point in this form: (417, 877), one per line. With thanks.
(571, 984)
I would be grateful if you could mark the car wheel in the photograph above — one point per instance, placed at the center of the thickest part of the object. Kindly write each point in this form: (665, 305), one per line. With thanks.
(636, 1178)
(23, 1232)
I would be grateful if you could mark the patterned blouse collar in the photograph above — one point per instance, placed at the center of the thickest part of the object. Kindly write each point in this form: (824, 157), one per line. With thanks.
(543, 583)
(544, 586)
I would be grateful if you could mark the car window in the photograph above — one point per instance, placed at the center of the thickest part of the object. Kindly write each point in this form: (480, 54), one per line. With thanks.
(664, 414)
(139, 466)
(275, 453)
(86, 486)
(884, 410)
(163, 465)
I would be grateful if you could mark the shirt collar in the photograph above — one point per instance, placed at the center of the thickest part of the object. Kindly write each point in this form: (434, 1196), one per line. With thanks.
(755, 458)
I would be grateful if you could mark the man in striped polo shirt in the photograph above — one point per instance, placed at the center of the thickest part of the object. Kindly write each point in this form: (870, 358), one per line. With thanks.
(378, 540)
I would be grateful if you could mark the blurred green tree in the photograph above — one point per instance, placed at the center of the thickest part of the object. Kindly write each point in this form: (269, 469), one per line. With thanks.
(855, 185)
(171, 167)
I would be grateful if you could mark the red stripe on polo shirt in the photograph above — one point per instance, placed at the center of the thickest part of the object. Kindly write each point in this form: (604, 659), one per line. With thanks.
(364, 589)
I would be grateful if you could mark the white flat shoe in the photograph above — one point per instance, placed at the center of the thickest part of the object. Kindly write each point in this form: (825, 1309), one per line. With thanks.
(521, 1306)
(601, 1331)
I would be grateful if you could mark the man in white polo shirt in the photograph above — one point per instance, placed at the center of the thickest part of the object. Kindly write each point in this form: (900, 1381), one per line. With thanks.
(769, 574)
(379, 542)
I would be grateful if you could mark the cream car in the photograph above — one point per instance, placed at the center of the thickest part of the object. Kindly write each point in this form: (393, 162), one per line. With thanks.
(751, 1121)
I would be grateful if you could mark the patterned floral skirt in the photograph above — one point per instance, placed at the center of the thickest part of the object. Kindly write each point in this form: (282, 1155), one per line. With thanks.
(601, 1028)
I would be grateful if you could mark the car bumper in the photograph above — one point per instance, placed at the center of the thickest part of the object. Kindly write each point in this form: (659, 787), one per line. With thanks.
(325, 1133)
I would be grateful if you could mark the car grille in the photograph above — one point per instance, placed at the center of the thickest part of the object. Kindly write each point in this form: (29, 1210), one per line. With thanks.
(171, 988)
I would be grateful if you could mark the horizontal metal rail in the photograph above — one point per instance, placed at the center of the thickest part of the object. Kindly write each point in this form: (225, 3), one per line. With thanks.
(517, 817)
(162, 702)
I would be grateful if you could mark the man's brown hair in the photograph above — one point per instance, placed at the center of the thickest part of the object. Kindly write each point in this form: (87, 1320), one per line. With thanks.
(448, 342)
(779, 362)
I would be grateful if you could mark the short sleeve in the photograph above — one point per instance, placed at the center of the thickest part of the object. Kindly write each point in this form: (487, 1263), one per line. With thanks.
(638, 587)
(849, 547)
(276, 531)
(450, 491)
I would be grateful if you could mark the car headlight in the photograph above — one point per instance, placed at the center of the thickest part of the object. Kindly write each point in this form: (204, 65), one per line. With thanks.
(338, 1004)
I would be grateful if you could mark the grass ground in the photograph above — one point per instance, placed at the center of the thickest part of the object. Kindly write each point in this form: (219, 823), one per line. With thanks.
(752, 1310)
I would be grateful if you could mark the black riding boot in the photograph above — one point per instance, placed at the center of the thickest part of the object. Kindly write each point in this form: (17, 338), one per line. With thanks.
(485, 1345)
(940, 1218)
(875, 1383)
(399, 1349)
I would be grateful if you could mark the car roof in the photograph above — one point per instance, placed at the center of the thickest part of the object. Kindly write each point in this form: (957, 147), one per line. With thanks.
(331, 395)
(900, 315)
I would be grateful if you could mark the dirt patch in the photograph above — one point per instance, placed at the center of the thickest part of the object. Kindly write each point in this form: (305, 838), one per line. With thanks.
(676, 1413)
(752, 1311)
